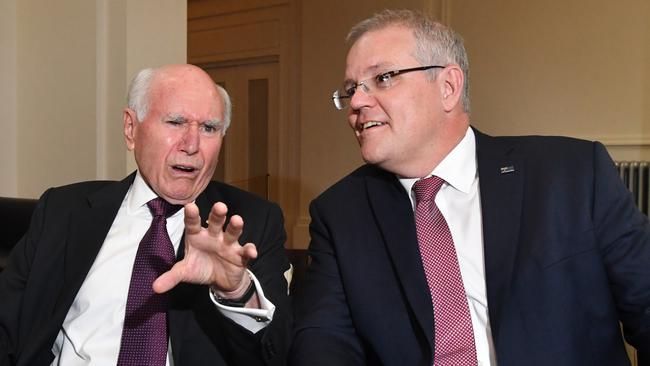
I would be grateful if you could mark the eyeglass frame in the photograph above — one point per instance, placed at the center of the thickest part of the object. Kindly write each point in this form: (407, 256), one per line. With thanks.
(336, 97)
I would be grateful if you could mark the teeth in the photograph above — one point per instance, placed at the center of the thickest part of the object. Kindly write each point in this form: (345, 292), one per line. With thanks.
(184, 168)
(371, 124)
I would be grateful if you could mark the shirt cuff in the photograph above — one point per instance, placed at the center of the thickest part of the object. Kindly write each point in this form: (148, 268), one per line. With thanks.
(252, 319)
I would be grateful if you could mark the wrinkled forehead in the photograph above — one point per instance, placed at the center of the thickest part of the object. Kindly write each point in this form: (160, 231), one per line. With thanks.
(190, 99)
(380, 50)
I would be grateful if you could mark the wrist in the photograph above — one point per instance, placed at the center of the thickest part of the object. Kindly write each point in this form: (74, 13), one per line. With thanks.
(237, 297)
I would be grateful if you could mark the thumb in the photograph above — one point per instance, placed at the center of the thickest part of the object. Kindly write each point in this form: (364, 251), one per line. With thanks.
(169, 279)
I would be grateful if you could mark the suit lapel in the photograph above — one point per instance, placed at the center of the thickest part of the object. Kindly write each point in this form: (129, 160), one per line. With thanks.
(396, 222)
(501, 203)
(501, 176)
(87, 229)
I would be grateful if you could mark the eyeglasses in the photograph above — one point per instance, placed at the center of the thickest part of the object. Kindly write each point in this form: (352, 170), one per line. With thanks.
(341, 98)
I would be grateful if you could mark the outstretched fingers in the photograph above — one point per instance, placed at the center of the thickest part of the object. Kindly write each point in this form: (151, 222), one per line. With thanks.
(233, 230)
(217, 218)
(249, 251)
(169, 279)
(192, 219)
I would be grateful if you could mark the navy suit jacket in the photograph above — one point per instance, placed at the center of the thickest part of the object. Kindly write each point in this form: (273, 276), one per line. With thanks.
(567, 255)
(69, 225)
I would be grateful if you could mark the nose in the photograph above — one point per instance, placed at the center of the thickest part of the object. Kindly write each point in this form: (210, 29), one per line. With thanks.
(190, 139)
(361, 98)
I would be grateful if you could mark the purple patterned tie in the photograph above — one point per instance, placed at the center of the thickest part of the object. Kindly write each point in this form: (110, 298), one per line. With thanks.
(144, 336)
(454, 336)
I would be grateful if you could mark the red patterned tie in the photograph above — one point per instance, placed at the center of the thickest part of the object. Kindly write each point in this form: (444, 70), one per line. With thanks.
(144, 336)
(454, 336)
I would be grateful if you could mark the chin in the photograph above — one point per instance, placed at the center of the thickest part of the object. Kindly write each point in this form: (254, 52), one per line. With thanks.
(177, 201)
(371, 157)
(180, 197)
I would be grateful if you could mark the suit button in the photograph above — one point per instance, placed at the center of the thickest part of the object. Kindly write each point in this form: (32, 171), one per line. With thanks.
(270, 349)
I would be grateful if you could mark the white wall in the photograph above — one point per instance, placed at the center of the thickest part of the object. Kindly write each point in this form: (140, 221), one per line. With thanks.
(65, 67)
(55, 93)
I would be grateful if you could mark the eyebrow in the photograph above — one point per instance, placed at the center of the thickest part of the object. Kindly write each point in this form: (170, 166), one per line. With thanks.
(213, 122)
(181, 119)
(175, 118)
(370, 70)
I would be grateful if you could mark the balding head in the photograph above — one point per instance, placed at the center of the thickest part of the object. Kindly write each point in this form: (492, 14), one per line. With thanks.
(140, 89)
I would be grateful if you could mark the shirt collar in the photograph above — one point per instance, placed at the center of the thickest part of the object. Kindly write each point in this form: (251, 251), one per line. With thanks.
(139, 194)
(458, 168)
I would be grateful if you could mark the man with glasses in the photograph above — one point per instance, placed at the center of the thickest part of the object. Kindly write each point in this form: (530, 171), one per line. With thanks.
(451, 247)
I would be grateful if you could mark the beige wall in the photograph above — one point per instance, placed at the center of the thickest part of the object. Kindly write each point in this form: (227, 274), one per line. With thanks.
(66, 67)
(8, 144)
(55, 93)
(579, 68)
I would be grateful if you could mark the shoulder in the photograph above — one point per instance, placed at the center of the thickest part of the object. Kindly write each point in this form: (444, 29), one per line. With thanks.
(548, 158)
(550, 150)
(73, 194)
(80, 188)
(82, 195)
(349, 183)
(534, 144)
(354, 186)
(233, 194)
(238, 201)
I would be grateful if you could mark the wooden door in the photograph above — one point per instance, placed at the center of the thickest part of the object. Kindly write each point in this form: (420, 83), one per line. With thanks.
(245, 157)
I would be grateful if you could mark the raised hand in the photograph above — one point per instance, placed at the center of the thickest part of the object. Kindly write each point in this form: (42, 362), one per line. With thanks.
(213, 256)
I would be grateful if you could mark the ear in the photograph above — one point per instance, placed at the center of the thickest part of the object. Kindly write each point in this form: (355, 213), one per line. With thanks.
(130, 128)
(453, 81)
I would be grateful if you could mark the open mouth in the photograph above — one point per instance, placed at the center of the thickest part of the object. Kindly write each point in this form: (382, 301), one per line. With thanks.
(371, 124)
(184, 168)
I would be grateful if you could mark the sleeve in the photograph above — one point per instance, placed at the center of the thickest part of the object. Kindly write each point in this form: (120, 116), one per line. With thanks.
(324, 332)
(253, 320)
(268, 346)
(13, 282)
(624, 240)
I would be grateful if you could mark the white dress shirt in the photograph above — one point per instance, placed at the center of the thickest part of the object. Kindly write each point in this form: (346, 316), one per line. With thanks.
(92, 330)
(460, 204)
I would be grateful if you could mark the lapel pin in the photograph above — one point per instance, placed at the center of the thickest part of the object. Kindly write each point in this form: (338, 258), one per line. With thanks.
(507, 169)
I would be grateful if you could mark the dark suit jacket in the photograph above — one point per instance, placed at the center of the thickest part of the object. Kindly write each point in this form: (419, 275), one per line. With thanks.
(567, 255)
(49, 264)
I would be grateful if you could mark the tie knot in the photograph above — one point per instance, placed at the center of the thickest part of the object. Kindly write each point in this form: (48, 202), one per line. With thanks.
(426, 189)
(160, 207)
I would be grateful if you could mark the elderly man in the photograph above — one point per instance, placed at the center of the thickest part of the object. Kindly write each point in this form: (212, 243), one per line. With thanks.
(451, 247)
(124, 272)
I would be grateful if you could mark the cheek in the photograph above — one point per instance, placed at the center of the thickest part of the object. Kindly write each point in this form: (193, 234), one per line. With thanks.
(155, 155)
(352, 119)
(163, 144)
(212, 149)
(170, 140)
